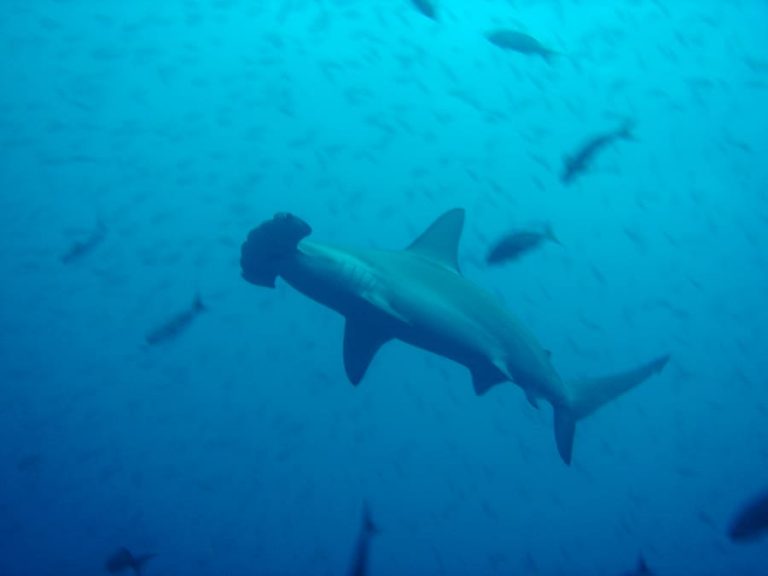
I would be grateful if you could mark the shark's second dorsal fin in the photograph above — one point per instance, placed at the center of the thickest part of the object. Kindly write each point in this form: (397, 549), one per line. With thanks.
(440, 242)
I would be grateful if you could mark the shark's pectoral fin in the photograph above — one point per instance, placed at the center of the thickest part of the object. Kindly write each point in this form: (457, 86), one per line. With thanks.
(361, 342)
(486, 376)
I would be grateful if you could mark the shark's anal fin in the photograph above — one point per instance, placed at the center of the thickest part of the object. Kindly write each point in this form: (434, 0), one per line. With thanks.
(361, 342)
(440, 242)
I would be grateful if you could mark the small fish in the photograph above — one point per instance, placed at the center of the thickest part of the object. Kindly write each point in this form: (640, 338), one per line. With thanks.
(367, 531)
(122, 560)
(579, 161)
(640, 570)
(752, 520)
(515, 41)
(426, 7)
(172, 328)
(513, 245)
(28, 463)
(82, 248)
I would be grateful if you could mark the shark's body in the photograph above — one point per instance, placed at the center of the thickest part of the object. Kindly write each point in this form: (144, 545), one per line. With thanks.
(419, 296)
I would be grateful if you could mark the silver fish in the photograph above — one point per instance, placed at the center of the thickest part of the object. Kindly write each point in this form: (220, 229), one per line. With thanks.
(580, 161)
(177, 324)
(520, 42)
(515, 244)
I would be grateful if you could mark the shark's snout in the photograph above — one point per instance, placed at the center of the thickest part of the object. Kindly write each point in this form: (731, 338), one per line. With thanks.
(268, 245)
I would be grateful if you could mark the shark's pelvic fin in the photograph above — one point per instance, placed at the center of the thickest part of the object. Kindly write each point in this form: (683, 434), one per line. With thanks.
(361, 342)
(440, 242)
(532, 399)
(589, 395)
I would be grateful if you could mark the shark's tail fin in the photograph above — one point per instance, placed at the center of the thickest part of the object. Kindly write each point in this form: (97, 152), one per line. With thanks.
(550, 55)
(627, 130)
(197, 304)
(140, 561)
(589, 395)
(369, 527)
(549, 234)
(268, 244)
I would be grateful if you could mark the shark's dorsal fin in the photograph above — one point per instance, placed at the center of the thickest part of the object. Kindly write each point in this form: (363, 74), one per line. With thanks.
(361, 342)
(440, 242)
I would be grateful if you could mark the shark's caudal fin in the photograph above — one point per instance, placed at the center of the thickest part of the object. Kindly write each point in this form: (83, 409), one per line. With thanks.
(140, 562)
(550, 55)
(627, 130)
(197, 304)
(549, 234)
(122, 560)
(268, 244)
(589, 395)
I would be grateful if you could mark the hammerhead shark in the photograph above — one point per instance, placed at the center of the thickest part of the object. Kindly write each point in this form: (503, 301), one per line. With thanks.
(419, 296)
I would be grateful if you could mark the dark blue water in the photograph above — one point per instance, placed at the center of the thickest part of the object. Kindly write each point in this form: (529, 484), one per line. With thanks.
(164, 131)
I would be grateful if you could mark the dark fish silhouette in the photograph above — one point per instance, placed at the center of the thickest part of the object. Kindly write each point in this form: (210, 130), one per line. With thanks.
(752, 520)
(640, 570)
(515, 244)
(579, 161)
(177, 324)
(82, 248)
(515, 41)
(122, 560)
(367, 531)
(426, 7)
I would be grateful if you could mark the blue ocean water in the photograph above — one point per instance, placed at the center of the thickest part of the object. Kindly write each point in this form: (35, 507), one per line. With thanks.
(141, 141)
